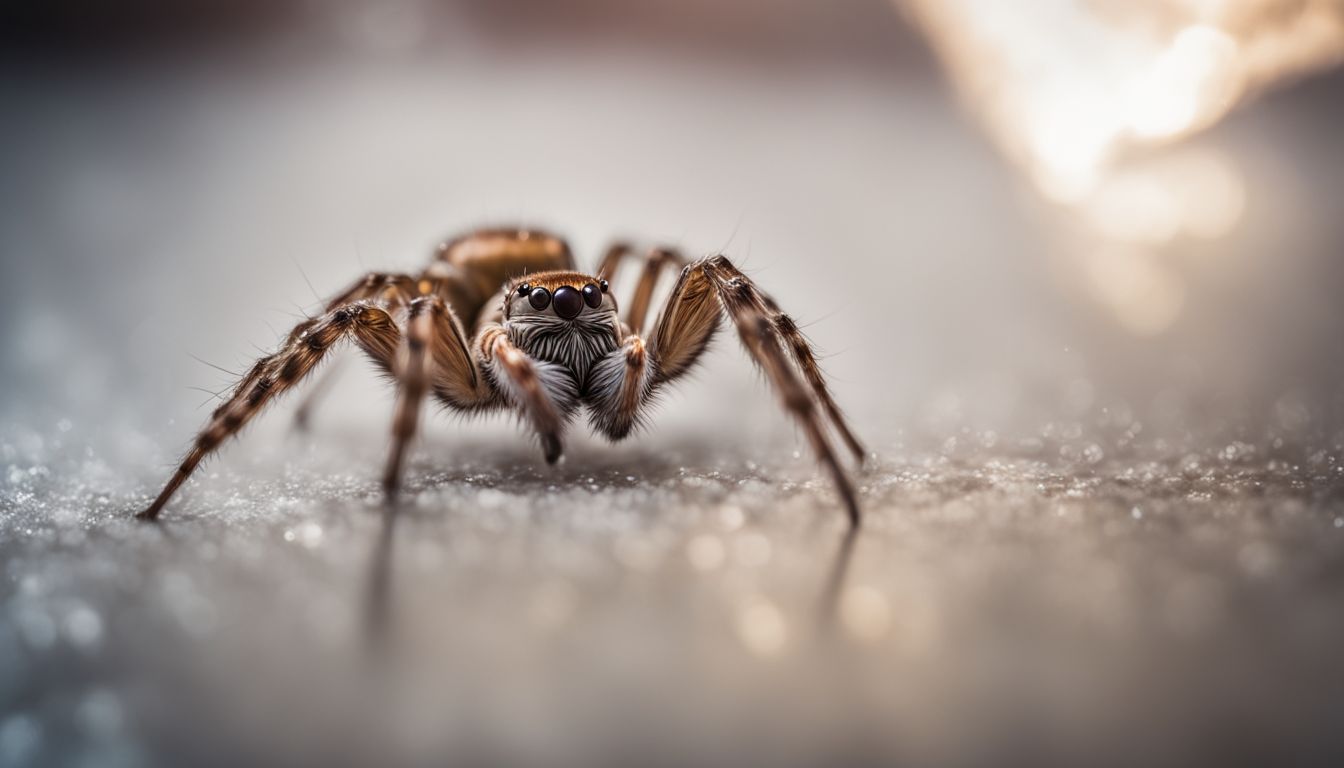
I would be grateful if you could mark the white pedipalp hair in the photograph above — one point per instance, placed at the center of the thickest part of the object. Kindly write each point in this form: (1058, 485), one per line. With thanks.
(555, 380)
(610, 390)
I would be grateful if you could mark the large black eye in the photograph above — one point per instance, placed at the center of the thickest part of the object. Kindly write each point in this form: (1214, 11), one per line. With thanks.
(568, 302)
(592, 295)
(539, 298)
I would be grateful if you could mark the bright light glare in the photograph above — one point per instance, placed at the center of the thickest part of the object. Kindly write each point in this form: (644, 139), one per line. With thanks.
(1066, 86)
(1075, 91)
(1145, 295)
(1189, 193)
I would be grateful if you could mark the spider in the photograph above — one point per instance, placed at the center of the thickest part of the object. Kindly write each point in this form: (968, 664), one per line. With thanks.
(546, 345)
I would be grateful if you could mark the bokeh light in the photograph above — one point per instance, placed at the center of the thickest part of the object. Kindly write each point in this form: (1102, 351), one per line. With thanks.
(1081, 94)
(1067, 87)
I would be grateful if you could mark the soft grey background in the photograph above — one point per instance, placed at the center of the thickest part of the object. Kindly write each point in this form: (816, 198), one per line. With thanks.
(1083, 545)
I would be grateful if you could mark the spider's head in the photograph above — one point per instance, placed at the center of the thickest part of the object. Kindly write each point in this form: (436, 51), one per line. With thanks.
(567, 318)
(564, 295)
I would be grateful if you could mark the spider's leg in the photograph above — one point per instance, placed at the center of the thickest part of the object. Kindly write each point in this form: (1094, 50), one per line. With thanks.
(372, 329)
(616, 252)
(456, 377)
(655, 261)
(303, 414)
(544, 393)
(690, 318)
(654, 264)
(758, 335)
(433, 355)
(395, 289)
(412, 372)
(801, 350)
(687, 323)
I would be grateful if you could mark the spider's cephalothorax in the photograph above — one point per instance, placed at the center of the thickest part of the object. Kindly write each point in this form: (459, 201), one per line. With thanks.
(545, 345)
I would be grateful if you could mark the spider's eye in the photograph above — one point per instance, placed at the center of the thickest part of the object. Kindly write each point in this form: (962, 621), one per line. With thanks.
(603, 285)
(539, 298)
(568, 302)
(592, 296)
(524, 289)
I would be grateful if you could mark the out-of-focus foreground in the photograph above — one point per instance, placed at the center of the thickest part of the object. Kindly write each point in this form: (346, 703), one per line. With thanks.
(1076, 268)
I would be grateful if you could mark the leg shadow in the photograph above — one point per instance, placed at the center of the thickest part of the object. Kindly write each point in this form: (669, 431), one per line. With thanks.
(378, 598)
(828, 613)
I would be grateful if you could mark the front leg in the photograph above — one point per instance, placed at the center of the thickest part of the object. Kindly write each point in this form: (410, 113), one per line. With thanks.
(618, 387)
(543, 392)
(706, 290)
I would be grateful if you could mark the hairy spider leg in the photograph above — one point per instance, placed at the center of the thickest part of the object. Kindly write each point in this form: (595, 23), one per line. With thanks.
(655, 262)
(372, 329)
(624, 381)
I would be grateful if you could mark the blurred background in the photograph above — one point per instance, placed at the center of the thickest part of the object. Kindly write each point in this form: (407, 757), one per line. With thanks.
(1075, 266)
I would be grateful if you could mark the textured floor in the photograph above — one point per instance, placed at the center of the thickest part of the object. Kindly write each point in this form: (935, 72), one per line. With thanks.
(672, 603)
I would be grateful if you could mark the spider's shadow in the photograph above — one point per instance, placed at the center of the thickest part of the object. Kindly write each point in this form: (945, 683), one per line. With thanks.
(519, 469)
(828, 608)
(519, 466)
(378, 597)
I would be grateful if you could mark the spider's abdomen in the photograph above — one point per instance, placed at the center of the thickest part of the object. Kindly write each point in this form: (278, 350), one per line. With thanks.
(476, 265)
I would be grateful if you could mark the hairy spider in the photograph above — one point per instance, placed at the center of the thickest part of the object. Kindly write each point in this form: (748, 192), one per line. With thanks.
(545, 345)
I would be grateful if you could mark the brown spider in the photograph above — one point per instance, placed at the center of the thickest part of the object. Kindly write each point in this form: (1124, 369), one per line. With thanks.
(546, 344)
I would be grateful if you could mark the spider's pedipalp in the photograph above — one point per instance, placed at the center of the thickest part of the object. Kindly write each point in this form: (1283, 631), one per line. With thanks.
(618, 387)
(307, 345)
(543, 393)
